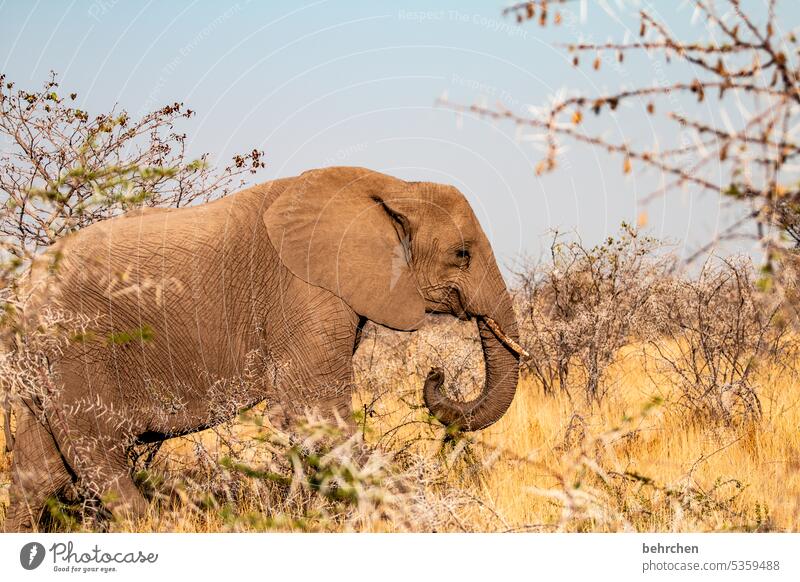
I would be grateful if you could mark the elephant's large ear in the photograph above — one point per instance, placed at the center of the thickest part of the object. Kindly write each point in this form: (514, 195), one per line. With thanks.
(340, 229)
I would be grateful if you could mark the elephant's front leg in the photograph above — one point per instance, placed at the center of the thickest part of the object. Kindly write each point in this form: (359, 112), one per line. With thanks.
(317, 380)
(309, 391)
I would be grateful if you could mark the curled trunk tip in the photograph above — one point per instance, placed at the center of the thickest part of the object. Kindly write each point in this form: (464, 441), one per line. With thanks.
(502, 372)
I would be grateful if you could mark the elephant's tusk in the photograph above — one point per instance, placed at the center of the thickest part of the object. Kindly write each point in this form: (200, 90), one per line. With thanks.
(510, 343)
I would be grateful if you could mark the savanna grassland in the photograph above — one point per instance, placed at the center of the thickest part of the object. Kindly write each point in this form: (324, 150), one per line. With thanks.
(630, 464)
(652, 403)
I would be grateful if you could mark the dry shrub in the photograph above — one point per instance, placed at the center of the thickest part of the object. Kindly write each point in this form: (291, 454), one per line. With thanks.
(704, 334)
(254, 477)
(63, 169)
(715, 330)
(245, 475)
(579, 309)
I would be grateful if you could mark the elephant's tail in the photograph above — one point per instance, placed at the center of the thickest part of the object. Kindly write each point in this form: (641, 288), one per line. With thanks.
(29, 294)
(7, 424)
(7, 347)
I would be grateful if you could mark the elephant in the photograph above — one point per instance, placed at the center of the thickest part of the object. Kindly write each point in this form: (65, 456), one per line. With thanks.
(190, 315)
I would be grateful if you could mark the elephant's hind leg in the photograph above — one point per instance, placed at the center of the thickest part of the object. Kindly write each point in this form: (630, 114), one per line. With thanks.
(106, 473)
(38, 473)
(124, 500)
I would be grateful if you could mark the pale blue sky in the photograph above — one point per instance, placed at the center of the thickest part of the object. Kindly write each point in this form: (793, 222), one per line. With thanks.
(354, 83)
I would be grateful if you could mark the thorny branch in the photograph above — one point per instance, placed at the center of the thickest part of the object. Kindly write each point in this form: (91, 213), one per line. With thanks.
(748, 64)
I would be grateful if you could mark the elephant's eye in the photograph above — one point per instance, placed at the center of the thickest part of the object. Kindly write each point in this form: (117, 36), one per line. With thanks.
(463, 255)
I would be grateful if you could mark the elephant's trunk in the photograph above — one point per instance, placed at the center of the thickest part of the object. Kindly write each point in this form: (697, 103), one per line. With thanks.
(501, 356)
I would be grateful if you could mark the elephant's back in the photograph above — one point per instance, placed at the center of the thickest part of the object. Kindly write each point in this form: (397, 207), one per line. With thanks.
(163, 241)
(175, 277)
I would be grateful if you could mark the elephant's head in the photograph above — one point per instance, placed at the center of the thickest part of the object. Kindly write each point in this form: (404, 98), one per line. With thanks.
(393, 250)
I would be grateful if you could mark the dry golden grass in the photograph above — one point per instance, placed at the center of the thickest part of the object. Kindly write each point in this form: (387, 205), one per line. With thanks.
(661, 445)
(636, 462)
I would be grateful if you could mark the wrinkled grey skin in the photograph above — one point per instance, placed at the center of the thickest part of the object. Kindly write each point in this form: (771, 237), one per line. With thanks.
(199, 312)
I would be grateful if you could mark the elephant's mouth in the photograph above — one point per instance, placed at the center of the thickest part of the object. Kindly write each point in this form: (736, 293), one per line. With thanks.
(448, 301)
(453, 303)
(463, 315)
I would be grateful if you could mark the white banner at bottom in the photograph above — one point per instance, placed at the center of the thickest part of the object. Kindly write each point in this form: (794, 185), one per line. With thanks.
(334, 557)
